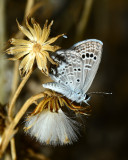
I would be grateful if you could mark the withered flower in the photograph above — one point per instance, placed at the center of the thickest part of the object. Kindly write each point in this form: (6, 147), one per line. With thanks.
(49, 124)
(36, 48)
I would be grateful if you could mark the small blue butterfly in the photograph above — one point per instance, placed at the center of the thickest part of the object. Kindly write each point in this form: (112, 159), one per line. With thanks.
(77, 70)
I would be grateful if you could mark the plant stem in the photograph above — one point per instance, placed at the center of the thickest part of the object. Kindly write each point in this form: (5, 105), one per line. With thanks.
(28, 8)
(12, 103)
(13, 149)
(3, 62)
(15, 78)
(84, 19)
(9, 131)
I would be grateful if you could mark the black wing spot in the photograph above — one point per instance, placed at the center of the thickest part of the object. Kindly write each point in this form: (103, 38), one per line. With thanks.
(91, 55)
(78, 80)
(87, 55)
(79, 69)
(70, 81)
(66, 82)
(83, 56)
(62, 72)
(75, 69)
(95, 58)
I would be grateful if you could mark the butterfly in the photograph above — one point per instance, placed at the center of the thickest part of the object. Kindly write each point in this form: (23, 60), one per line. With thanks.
(77, 68)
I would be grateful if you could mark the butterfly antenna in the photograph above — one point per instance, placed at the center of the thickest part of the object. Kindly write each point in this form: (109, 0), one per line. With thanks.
(100, 93)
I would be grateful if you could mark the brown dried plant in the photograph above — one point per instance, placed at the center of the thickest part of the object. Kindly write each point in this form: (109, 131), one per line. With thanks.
(37, 47)
(35, 50)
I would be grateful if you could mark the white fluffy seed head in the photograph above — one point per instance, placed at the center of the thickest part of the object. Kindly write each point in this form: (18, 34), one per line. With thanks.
(52, 128)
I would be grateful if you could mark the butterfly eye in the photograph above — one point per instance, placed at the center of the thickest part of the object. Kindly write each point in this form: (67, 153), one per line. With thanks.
(87, 97)
(83, 56)
(95, 58)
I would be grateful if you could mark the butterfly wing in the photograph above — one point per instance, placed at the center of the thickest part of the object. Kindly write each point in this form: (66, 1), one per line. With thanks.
(90, 52)
(69, 71)
(57, 87)
(59, 76)
(77, 66)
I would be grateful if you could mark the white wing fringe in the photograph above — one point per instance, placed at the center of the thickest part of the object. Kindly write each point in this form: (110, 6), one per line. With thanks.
(52, 128)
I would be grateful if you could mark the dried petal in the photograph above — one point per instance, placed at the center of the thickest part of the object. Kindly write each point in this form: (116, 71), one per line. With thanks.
(26, 63)
(30, 29)
(52, 40)
(50, 48)
(25, 31)
(20, 42)
(46, 32)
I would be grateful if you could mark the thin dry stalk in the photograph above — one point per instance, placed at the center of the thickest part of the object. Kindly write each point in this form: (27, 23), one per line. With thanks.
(13, 149)
(28, 8)
(34, 8)
(37, 155)
(84, 19)
(15, 78)
(12, 103)
(3, 63)
(10, 130)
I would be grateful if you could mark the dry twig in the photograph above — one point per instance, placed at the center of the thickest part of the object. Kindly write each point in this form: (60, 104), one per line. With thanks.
(84, 19)
(10, 130)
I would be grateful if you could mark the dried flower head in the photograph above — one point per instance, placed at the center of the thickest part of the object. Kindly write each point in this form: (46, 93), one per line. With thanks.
(36, 48)
(52, 127)
(49, 124)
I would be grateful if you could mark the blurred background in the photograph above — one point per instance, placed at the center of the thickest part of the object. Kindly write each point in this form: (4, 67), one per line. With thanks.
(104, 133)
